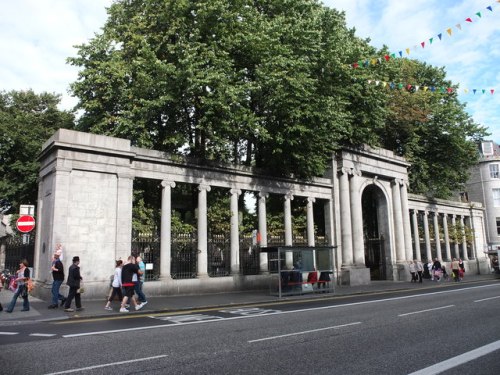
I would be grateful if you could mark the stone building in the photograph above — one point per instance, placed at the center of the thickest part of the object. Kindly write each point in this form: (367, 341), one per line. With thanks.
(484, 187)
(376, 227)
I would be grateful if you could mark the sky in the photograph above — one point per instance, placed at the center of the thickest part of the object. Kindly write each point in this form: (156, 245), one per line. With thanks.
(37, 36)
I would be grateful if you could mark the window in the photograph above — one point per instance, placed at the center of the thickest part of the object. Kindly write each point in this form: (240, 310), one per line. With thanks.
(498, 226)
(494, 171)
(496, 197)
(487, 148)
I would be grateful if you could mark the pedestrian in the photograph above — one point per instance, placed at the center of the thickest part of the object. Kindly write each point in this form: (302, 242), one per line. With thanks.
(429, 267)
(140, 282)
(58, 278)
(420, 269)
(413, 272)
(461, 269)
(128, 271)
(455, 267)
(436, 268)
(74, 283)
(116, 284)
(22, 276)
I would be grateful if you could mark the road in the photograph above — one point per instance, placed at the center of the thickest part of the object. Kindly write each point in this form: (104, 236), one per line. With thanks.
(454, 330)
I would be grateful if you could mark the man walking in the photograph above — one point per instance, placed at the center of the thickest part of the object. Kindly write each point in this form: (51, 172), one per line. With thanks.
(139, 283)
(58, 276)
(128, 271)
(74, 279)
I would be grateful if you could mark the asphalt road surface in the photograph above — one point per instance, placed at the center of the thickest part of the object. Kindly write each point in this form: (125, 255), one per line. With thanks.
(451, 331)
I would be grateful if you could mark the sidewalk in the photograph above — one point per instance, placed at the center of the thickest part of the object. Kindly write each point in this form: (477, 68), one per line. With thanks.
(95, 308)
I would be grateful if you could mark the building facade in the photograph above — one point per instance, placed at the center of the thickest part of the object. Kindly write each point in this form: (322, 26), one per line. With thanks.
(376, 227)
(484, 187)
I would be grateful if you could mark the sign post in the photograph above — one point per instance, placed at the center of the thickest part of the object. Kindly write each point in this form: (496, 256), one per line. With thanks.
(25, 223)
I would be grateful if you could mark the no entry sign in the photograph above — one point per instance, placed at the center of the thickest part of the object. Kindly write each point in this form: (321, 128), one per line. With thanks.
(25, 223)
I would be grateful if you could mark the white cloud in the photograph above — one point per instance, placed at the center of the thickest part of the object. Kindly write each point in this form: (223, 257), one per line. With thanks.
(39, 36)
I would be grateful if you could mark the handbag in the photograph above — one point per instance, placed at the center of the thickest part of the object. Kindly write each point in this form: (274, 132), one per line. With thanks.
(29, 285)
(24, 293)
(13, 284)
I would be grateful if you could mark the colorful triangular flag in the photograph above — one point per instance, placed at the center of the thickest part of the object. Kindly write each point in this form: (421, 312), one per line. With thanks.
(468, 19)
(459, 27)
(440, 36)
(449, 31)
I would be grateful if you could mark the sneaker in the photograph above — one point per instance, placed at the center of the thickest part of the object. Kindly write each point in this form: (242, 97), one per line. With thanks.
(53, 306)
(69, 310)
(140, 306)
(80, 308)
(144, 303)
(127, 306)
(109, 308)
(123, 309)
(63, 301)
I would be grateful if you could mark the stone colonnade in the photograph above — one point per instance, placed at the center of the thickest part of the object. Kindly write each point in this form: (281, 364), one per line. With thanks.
(85, 203)
(453, 247)
(202, 232)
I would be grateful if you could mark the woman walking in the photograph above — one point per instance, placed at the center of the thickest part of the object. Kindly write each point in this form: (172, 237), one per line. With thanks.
(22, 276)
(116, 284)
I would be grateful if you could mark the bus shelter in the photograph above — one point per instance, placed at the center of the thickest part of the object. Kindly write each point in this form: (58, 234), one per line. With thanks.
(300, 269)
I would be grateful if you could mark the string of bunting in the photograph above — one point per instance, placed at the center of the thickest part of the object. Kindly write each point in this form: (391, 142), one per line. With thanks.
(415, 88)
(379, 60)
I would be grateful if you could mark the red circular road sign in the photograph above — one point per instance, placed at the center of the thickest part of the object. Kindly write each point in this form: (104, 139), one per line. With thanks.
(25, 223)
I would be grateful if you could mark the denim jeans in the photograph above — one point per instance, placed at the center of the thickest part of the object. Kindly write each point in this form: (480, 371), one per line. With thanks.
(19, 291)
(138, 291)
(56, 296)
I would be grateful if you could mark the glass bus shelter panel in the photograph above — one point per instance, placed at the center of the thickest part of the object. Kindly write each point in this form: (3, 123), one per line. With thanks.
(302, 270)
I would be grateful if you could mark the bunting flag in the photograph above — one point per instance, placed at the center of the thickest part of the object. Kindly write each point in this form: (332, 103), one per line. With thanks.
(422, 44)
(415, 88)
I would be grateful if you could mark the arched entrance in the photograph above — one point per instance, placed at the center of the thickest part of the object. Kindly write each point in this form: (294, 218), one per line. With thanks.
(375, 232)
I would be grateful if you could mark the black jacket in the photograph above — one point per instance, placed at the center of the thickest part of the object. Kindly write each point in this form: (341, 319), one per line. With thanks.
(74, 277)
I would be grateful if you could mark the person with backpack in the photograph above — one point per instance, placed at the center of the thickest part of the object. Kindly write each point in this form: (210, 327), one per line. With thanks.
(22, 276)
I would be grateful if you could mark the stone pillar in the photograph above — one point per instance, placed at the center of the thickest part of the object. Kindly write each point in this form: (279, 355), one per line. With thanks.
(263, 260)
(446, 237)
(416, 235)
(428, 252)
(166, 229)
(406, 221)
(288, 229)
(345, 218)
(398, 221)
(124, 214)
(310, 222)
(437, 239)
(235, 237)
(457, 250)
(357, 220)
(202, 270)
(464, 239)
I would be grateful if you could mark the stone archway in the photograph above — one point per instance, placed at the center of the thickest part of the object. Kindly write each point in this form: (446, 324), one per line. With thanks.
(376, 232)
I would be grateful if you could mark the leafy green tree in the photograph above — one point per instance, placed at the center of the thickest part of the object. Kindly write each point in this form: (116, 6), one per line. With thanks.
(431, 128)
(264, 83)
(27, 120)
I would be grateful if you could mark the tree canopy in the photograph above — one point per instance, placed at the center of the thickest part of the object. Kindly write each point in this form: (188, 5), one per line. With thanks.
(27, 120)
(266, 83)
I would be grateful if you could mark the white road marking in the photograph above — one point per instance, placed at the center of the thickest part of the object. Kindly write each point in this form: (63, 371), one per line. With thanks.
(107, 365)
(303, 332)
(43, 334)
(459, 360)
(9, 333)
(277, 313)
(427, 310)
(486, 299)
